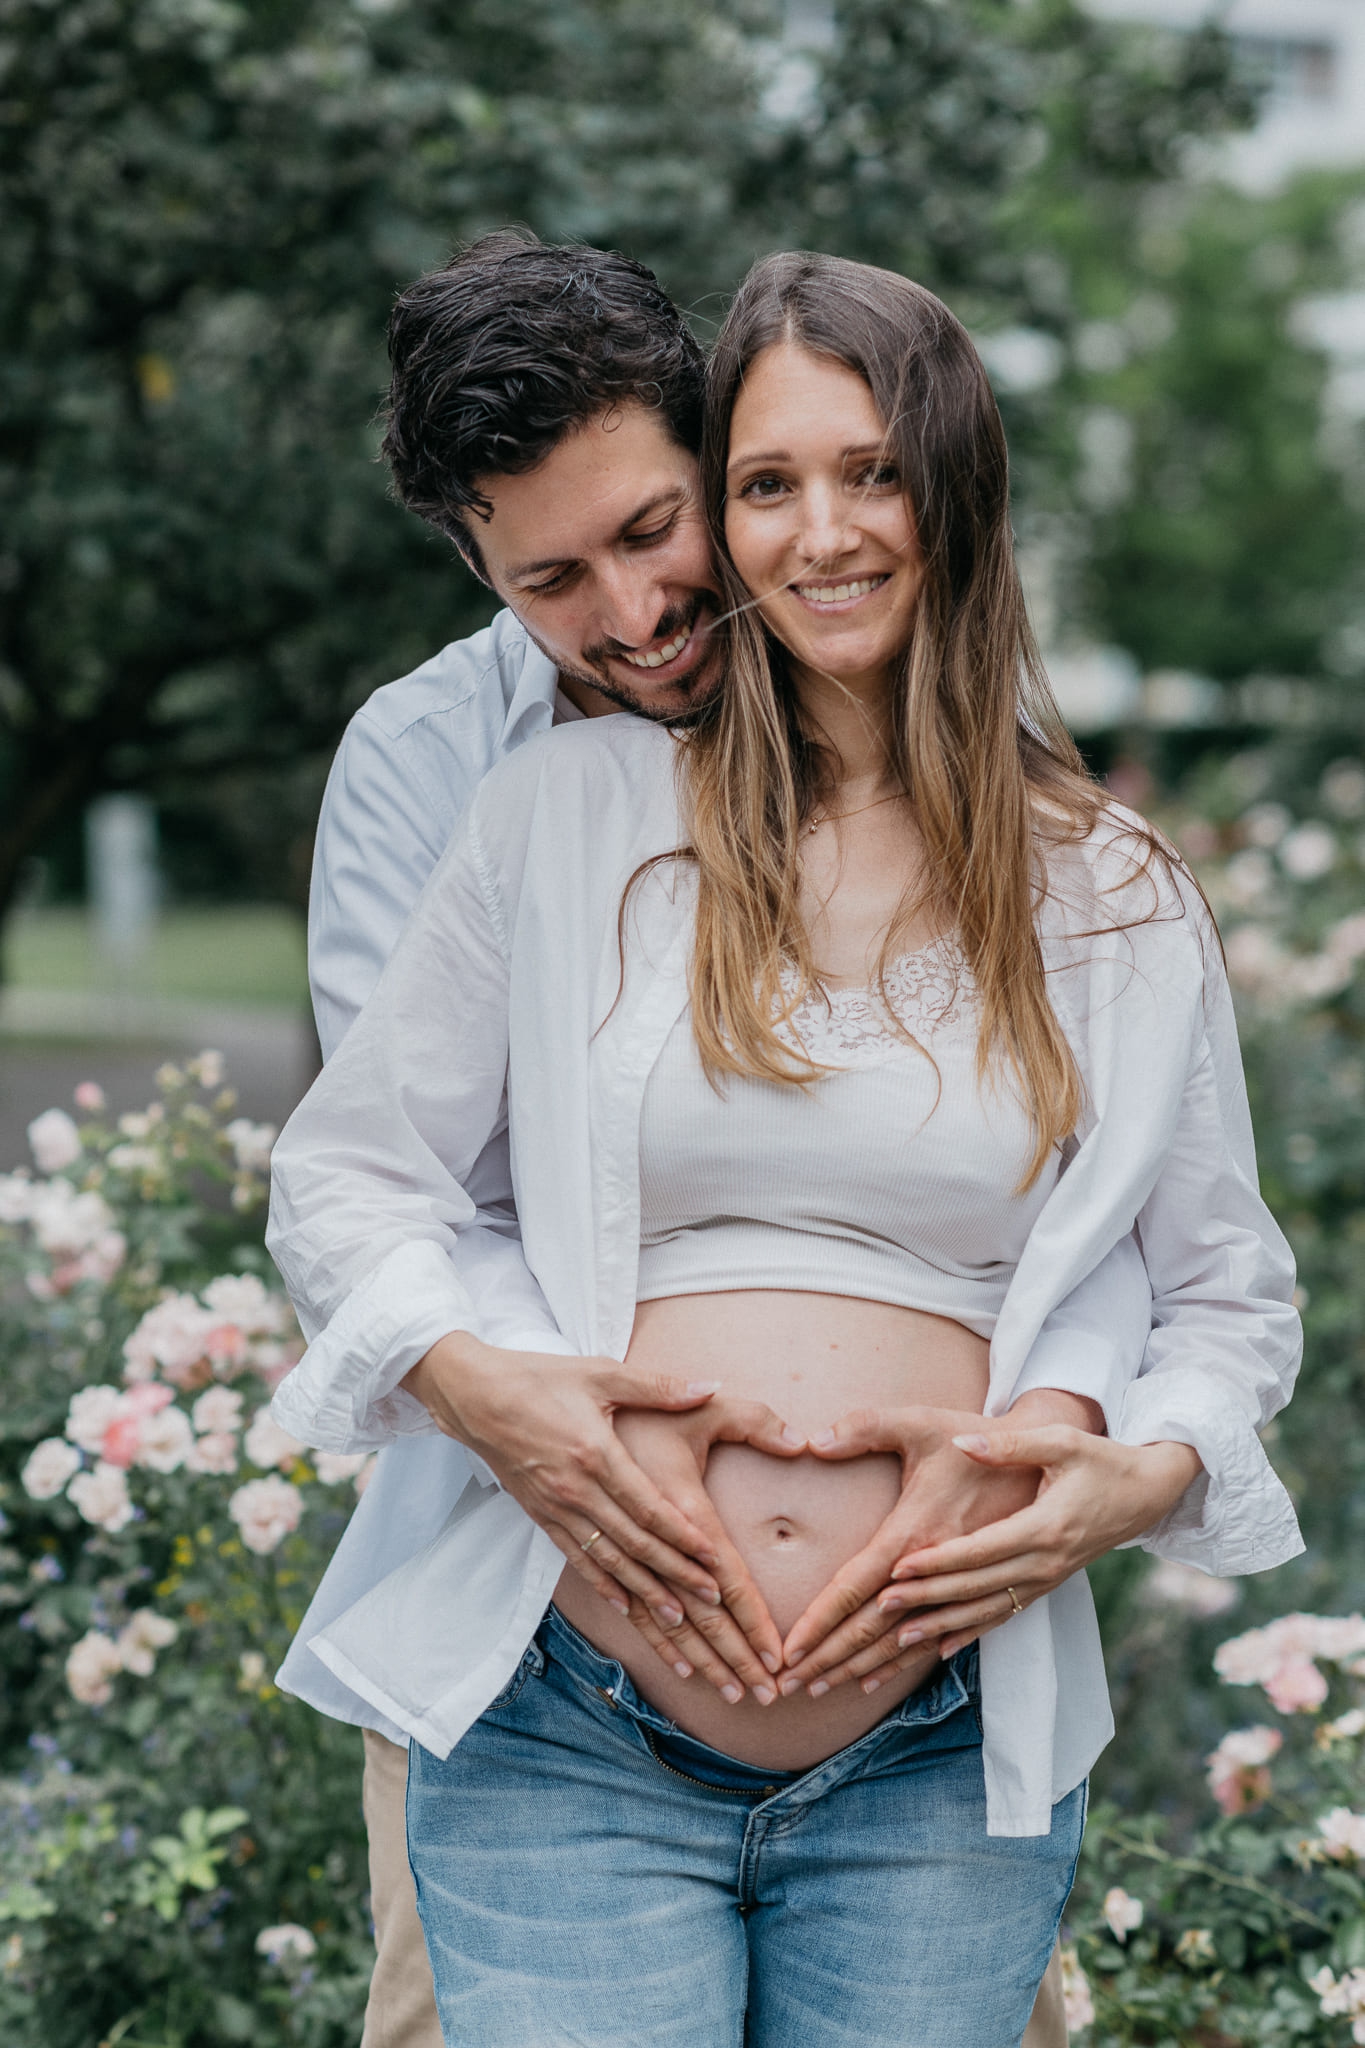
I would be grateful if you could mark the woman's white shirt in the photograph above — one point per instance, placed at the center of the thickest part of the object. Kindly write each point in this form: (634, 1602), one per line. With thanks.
(505, 1005)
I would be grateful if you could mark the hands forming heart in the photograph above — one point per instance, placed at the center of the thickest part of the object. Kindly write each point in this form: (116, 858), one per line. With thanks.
(992, 1515)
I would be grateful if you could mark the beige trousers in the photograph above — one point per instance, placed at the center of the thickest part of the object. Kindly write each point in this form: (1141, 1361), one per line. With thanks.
(402, 2008)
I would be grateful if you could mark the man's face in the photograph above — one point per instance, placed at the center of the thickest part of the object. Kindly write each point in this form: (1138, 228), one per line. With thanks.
(602, 552)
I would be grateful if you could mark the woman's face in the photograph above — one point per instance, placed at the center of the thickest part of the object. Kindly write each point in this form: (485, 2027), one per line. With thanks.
(817, 519)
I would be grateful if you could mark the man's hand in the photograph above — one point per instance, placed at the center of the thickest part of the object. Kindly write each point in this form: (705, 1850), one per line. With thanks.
(844, 1633)
(543, 1424)
(737, 1644)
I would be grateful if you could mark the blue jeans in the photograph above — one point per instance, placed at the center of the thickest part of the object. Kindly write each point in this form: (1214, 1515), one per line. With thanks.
(588, 1877)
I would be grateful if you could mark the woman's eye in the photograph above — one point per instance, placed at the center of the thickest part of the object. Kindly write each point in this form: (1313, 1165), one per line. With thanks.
(882, 476)
(764, 487)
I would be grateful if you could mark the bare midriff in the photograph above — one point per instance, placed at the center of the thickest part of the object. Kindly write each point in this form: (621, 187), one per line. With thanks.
(811, 1357)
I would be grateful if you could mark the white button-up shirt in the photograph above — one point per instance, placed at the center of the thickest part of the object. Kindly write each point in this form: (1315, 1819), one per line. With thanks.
(488, 1024)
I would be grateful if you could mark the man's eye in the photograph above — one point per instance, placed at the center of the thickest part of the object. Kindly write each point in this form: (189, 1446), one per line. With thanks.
(559, 582)
(655, 533)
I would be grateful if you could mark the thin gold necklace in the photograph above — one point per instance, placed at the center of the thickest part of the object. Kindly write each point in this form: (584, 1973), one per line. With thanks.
(837, 817)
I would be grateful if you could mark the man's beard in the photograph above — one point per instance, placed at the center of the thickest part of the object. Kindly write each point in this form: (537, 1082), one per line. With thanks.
(693, 707)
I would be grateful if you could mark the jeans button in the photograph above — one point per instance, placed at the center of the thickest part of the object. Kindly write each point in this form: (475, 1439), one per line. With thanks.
(604, 1693)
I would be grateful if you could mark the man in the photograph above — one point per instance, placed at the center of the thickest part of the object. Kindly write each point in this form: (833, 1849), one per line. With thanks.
(545, 412)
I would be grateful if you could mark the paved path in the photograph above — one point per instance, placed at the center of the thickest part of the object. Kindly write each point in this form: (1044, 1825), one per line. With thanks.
(50, 1041)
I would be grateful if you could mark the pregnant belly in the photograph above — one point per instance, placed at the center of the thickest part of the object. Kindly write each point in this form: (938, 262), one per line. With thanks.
(812, 1357)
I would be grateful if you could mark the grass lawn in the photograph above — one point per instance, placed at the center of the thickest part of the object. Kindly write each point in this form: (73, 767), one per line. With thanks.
(232, 953)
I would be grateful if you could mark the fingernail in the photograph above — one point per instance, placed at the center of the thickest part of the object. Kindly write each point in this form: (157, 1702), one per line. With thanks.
(770, 1662)
(823, 1440)
(683, 1670)
(818, 1690)
(668, 1616)
(765, 1695)
(788, 1686)
(902, 1571)
(621, 1606)
(703, 1386)
(891, 1603)
(972, 1443)
(793, 1437)
(733, 1693)
(711, 1596)
(871, 1684)
(910, 1636)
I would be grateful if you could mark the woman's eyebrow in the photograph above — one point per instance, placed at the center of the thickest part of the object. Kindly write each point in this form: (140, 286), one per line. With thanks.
(877, 447)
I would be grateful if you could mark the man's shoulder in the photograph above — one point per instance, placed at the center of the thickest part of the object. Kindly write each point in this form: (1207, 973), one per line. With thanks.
(468, 694)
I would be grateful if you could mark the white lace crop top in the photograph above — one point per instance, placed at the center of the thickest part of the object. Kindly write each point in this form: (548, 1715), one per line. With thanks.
(891, 1179)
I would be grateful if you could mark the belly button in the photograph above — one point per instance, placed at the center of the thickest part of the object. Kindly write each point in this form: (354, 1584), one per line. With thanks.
(784, 1532)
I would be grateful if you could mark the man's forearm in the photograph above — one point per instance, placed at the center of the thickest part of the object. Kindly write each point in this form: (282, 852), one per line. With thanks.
(1042, 1407)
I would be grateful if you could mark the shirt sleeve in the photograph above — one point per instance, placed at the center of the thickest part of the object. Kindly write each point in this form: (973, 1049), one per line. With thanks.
(373, 1224)
(1226, 1341)
(380, 833)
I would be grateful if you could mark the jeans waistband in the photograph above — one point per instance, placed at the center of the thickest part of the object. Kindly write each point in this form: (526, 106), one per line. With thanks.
(953, 1685)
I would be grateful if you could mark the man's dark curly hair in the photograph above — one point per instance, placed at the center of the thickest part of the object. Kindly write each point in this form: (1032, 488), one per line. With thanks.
(509, 347)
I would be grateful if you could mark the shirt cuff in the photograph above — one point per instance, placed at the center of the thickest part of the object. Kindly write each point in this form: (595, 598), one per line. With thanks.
(1077, 1362)
(343, 1395)
(1236, 1517)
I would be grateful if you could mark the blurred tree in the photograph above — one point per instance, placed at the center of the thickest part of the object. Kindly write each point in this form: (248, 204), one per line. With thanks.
(206, 208)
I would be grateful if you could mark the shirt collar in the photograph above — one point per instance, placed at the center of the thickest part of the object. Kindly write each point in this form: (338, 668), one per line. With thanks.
(533, 699)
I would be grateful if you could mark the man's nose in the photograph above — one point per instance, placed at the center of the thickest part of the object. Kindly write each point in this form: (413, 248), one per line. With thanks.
(630, 603)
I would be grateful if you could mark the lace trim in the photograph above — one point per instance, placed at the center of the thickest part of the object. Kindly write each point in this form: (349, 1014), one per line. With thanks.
(931, 992)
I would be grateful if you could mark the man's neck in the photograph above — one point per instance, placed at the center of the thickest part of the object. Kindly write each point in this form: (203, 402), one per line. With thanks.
(584, 698)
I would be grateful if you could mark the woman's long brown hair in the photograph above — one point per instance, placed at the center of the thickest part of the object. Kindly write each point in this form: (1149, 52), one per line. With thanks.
(977, 741)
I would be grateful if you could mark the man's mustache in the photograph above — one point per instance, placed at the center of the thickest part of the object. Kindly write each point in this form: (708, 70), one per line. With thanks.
(676, 619)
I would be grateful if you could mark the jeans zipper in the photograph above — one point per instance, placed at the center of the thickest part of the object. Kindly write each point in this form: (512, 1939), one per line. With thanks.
(723, 1791)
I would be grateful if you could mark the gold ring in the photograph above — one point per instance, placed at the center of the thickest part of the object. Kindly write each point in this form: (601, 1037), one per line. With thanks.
(596, 1534)
(1015, 1602)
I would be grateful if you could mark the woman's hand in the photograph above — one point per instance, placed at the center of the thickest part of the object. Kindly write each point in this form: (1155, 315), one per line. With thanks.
(737, 1644)
(1095, 1494)
(944, 1491)
(543, 1424)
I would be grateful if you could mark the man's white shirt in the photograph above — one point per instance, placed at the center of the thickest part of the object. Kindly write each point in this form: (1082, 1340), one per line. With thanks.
(405, 772)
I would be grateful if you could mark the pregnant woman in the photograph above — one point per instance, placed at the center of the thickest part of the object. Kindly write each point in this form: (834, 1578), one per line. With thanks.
(837, 1041)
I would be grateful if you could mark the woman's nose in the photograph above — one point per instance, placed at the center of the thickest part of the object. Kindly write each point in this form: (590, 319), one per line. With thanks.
(827, 532)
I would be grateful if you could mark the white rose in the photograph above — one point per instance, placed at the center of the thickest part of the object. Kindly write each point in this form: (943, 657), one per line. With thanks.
(243, 1299)
(102, 1497)
(250, 1144)
(92, 1662)
(90, 1414)
(141, 1638)
(172, 1335)
(1122, 1912)
(55, 1141)
(285, 1944)
(334, 1466)
(217, 1410)
(16, 1197)
(49, 1467)
(266, 1511)
(214, 1453)
(266, 1444)
(66, 1223)
(164, 1440)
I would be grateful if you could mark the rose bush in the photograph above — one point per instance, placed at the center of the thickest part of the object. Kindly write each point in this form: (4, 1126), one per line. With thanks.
(1253, 1931)
(181, 1852)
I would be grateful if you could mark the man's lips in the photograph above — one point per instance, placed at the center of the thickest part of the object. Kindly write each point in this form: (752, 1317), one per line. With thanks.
(665, 658)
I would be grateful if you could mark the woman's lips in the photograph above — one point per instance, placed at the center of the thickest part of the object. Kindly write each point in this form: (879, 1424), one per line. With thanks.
(832, 598)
